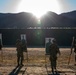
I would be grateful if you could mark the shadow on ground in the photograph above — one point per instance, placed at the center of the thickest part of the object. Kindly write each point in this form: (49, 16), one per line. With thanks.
(15, 71)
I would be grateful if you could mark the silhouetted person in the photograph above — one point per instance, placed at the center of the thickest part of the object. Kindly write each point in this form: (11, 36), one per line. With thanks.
(54, 50)
(20, 56)
(0, 45)
(74, 46)
(75, 51)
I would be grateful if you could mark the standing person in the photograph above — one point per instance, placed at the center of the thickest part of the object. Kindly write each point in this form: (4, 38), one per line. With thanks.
(75, 51)
(54, 50)
(74, 47)
(19, 53)
(0, 45)
(1, 50)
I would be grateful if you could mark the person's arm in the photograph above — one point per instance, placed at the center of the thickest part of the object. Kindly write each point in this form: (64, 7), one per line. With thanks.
(58, 50)
(16, 46)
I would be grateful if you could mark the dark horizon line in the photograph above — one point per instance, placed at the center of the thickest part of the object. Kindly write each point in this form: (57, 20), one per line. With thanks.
(32, 13)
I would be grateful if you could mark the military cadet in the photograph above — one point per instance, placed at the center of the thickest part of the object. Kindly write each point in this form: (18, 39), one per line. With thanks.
(0, 45)
(74, 47)
(75, 51)
(19, 53)
(54, 50)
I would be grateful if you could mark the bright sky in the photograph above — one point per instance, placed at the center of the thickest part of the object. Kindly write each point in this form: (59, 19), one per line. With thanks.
(37, 7)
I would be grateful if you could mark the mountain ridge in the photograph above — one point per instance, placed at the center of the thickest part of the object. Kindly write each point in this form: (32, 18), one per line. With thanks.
(26, 20)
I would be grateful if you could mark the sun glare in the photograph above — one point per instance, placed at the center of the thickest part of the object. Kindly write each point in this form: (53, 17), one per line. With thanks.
(39, 7)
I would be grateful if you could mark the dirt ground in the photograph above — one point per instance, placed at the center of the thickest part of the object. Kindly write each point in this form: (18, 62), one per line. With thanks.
(35, 65)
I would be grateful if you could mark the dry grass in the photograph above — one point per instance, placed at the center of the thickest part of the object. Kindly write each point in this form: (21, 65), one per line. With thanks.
(36, 57)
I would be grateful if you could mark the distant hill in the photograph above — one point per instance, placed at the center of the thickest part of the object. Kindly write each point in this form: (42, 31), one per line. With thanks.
(26, 20)
(19, 20)
(71, 15)
(55, 20)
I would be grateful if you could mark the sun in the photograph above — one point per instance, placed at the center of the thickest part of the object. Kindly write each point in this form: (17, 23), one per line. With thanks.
(39, 7)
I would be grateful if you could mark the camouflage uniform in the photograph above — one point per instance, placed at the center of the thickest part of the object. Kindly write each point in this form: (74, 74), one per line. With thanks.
(53, 54)
(19, 52)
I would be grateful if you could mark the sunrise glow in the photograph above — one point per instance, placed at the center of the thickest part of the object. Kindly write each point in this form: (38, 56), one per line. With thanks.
(39, 7)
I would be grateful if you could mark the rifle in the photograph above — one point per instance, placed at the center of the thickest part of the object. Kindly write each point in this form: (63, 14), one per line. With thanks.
(71, 50)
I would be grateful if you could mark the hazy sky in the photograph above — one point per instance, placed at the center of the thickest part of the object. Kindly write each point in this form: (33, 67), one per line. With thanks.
(10, 6)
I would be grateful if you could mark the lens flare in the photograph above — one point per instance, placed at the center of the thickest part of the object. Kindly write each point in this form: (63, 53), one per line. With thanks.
(39, 7)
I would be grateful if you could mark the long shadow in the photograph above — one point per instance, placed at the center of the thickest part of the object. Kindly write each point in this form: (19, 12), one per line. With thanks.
(56, 73)
(15, 71)
(53, 74)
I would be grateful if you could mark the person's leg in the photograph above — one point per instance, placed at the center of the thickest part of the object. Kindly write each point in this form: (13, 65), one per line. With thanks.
(55, 63)
(52, 65)
(22, 58)
(18, 60)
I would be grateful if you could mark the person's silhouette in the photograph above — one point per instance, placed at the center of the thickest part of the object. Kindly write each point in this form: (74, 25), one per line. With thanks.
(54, 50)
(19, 52)
(0, 45)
